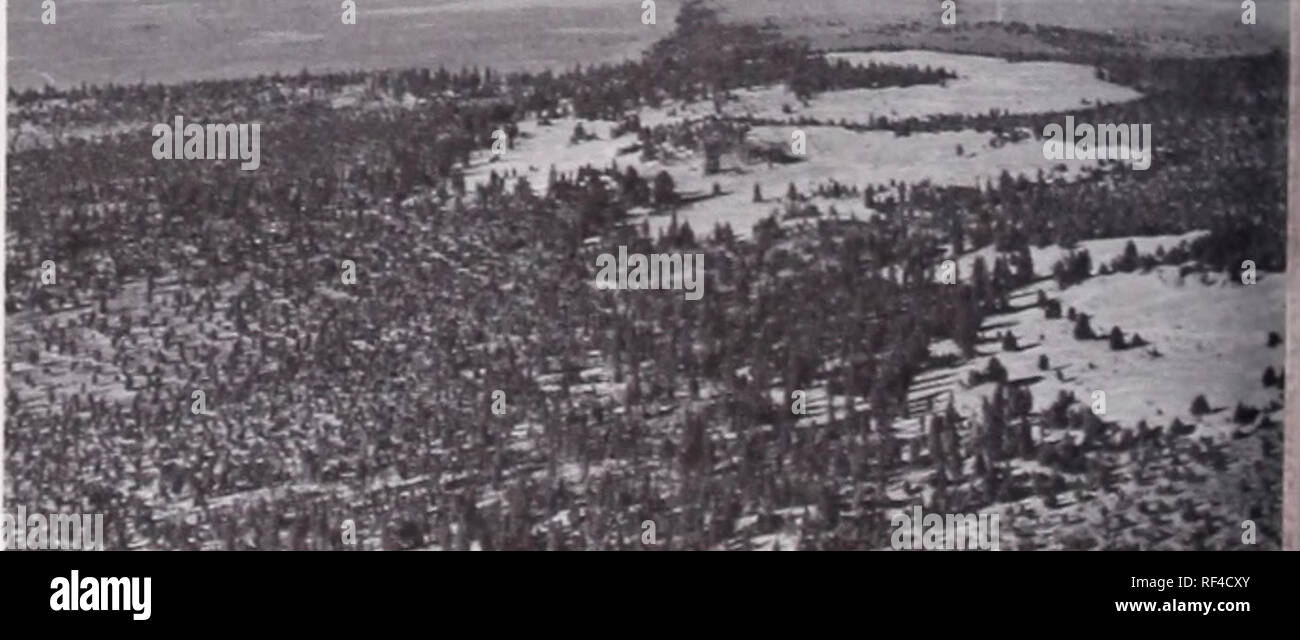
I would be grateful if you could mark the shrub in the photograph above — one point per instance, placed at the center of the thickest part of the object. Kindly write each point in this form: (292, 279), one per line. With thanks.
(1116, 339)
(1245, 414)
(995, 372)
(1200, 406)
(1270, 377)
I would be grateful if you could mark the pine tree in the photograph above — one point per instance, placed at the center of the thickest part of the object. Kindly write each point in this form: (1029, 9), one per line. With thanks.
(1083, 328)
(1129, 261)
(980, 280)
(994, 371)
(665, 193)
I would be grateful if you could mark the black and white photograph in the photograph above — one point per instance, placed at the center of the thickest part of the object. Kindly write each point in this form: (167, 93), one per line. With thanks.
(644, 275)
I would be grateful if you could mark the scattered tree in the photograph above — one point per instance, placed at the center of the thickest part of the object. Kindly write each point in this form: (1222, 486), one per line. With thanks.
(1200, 406)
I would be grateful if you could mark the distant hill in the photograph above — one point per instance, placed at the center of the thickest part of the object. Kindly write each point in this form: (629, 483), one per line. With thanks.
(178, 40)
(175, 40)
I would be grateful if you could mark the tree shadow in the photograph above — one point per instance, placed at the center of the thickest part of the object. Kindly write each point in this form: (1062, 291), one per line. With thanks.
(1026, 381)
(998, 325)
